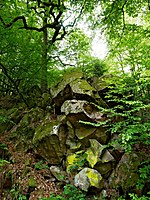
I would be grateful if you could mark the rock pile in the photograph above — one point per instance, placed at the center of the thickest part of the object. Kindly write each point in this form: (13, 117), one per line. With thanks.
(76, 138)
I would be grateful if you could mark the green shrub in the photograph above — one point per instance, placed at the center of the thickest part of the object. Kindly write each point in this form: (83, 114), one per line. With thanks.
(70, 193)
(3, 162)
(17, 195)
(135, 197)
(144, 174)
(128, 114)
(79, 163)
(40, 165)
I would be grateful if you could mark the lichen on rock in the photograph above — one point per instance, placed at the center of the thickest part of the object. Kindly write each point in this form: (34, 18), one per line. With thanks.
(87, 178)
(94, 152)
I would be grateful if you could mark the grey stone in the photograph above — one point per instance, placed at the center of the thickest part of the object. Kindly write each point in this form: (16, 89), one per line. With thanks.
(88, 177)
(50, 141)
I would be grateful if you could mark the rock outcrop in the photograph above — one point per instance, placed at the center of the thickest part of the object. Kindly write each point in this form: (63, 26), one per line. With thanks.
(76, 137)
(72, 135)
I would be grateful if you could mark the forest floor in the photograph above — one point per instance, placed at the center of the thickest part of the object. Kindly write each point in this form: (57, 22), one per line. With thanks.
(25, 174)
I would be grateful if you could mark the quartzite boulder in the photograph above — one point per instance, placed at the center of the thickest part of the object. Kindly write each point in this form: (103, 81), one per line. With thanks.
(49, 141)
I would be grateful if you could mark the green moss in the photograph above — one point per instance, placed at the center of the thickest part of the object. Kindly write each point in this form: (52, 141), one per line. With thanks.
(32, 182)
(70, 76)
(82, 86)
(44, 130)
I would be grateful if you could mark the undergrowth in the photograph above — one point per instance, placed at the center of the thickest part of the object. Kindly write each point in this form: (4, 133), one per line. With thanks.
(70, 193)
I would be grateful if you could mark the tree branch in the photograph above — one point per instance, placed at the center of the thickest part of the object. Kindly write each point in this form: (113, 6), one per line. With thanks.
(58, 59)
(52, 25)
(4, 70)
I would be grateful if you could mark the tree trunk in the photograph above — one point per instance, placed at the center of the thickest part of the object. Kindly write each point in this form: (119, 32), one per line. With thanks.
(44, 84)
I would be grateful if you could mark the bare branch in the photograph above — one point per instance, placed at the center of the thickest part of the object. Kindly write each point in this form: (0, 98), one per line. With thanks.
(4, 70)
(52, 25)
(75, 20)
(58, 59)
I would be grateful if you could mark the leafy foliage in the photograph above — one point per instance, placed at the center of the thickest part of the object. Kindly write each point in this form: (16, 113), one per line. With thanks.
(135, 197)
(70, 192)
(17, 195)
(79, 162)
(40, 165)
(3, 162)
(129, 117)
(144, 172)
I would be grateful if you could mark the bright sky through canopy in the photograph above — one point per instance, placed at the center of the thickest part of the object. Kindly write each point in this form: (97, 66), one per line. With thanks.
(99, 47)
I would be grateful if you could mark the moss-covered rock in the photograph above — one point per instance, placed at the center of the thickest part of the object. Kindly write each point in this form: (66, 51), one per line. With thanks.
(73, 106)
(107, 157)
(84, 131)
(71, 141)
(73, 86)
(104, 169)
(102, 135)
(50, 141)
(81, 86)
(58, 173)
(87, 178)
(76, 110)
(94, 152)
(26, 127)
(67, 79)
(75, 161)
(125, 175)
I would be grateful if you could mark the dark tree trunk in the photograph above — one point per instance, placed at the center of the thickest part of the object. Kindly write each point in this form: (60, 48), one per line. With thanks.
(44, 84)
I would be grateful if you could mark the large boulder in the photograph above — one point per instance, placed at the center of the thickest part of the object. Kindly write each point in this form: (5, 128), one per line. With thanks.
(105, 164)
(85, 132)
(50, 141)
(76, 110)
(87, 178)
(99, 83)
(125, 175)
(74, 86)
(67, 79)
(104, 169)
